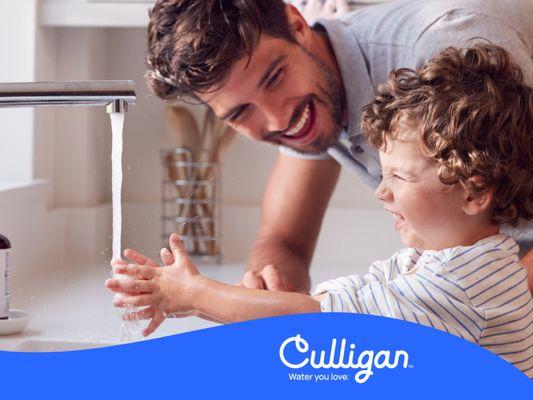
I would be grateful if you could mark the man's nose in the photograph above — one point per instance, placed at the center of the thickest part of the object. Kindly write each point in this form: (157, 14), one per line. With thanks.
(383, 193)
(276, 116)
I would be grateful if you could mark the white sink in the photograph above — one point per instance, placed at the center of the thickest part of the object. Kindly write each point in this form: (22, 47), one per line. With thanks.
(56, 345)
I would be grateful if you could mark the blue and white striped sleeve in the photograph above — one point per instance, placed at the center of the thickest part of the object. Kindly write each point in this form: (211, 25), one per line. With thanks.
(419, 295)
(338, 292)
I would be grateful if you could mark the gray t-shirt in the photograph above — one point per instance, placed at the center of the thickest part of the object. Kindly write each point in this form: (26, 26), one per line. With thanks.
(370, 42)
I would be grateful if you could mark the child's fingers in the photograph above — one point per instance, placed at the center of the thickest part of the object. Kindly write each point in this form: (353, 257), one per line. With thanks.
(147, 313)
(118, 262)
(139, 258)
(176, 245)
(133, 301)
(154, 323)
(131, 286)
(135, 271)
(167, 257)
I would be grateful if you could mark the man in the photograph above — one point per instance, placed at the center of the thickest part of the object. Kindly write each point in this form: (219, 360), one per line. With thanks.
(272, 77)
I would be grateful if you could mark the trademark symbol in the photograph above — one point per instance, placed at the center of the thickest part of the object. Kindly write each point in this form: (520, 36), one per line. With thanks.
(410, 366)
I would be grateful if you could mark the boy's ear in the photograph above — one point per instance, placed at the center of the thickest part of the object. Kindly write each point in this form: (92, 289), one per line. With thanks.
(477, 203)
(299, 27)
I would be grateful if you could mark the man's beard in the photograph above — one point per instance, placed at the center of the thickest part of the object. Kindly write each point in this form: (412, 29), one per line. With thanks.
(330, 94)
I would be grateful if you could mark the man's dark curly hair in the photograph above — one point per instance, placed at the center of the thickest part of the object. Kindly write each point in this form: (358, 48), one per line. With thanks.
(192, 44)
(474, 117)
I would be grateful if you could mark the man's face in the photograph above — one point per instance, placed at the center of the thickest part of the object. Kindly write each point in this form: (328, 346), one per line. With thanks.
(282, 95)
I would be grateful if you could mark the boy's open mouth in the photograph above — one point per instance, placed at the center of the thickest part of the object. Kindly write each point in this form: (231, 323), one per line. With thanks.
(400, 220)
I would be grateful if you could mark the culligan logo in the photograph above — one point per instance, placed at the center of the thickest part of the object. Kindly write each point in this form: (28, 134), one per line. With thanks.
(365, 362)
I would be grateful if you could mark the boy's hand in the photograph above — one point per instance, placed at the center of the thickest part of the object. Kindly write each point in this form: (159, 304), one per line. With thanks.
(165, 290)
(156, 317)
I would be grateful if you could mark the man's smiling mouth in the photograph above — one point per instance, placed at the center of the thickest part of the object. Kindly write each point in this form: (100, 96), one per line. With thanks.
(304, 125)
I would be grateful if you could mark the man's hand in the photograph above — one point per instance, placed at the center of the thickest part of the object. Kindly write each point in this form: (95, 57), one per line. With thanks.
(312, 10)
(268, 278)
(527, 262)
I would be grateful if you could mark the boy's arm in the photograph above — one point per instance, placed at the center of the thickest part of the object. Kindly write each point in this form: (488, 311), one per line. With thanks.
(231, 303)
(181, 289)
(209, 315)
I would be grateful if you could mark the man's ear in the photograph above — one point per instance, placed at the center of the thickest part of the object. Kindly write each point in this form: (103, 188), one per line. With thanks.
(300, 29)
(477, 203)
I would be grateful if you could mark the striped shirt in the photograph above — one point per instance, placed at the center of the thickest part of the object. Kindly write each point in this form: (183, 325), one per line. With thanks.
(477, 292)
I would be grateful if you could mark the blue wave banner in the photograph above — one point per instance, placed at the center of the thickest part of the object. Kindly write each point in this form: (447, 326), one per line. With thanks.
(289, 357)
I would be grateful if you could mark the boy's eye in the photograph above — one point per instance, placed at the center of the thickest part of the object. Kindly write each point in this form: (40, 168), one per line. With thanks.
(396, 177)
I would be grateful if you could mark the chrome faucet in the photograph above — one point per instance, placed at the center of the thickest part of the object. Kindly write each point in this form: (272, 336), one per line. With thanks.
(114, 95)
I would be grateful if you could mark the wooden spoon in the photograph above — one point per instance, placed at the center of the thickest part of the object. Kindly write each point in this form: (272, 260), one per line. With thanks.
(183, 129)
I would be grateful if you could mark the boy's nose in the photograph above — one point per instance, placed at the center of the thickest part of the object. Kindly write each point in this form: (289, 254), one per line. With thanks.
(383, 193)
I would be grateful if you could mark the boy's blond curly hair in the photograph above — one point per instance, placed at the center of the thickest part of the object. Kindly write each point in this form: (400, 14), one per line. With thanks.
(474, 116)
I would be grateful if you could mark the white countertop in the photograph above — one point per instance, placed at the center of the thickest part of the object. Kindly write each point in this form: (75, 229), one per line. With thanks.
(74, 306)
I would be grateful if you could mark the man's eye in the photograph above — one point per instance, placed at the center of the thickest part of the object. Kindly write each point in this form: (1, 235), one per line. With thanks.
(397, 177)
(235, 117)
(272, 82)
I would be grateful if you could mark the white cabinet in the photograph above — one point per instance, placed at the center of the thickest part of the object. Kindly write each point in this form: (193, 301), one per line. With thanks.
(113, 13)
(95, 13)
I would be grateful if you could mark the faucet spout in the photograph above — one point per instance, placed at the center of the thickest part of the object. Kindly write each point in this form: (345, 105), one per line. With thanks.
(117, 106)
(115, 95)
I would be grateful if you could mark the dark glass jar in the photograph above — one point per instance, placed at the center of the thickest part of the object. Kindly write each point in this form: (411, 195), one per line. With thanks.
(5, 272)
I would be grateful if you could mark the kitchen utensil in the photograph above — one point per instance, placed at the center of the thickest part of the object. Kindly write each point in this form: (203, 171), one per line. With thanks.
(222, 138)
(183, 129)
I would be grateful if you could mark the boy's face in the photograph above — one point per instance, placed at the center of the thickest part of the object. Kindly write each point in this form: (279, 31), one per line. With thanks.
(283, 95)
(428, 214)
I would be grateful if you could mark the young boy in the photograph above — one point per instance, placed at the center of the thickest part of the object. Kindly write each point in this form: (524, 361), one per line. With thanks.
(456, 150)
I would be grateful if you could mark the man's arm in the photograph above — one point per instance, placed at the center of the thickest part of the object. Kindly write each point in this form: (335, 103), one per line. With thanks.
(294, 204)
